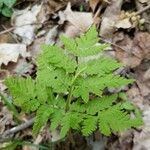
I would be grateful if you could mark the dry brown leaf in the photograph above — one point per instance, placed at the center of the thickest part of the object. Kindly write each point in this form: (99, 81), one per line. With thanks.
(141, 45)
(3, 75)
(21, 68)
(6, 38)
(125, 55)
(142, 82)
(6, 118)
(11, 52)
(81, 20)
(51, 35)
(141, 138)
(125, 24)
(133, 51)
(94, 3)
(147, 75)
(143, 1)
(26, 23)
(135, 96)
(110, 17)
(54, 5)
(49, 38)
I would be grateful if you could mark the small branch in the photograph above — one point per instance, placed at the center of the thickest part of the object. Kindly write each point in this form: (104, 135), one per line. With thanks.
(17, 128)
(113, 44)
(13, 28)
(142, 10)
(11, 34)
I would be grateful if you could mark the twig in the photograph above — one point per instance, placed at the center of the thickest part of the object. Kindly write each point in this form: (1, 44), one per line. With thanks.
(11, 34)
(17, 128)
(13, 28)
(113, 44)
(142, 10)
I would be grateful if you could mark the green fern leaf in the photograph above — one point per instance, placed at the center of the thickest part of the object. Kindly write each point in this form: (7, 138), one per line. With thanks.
(66, 79)
(42, 116)
(70, 120)
(114, 119)
(100, 104)
(85, 45)
(56, 79)
(56, 57)
(56, 118)
(100, 66)
(89, 125)
(22, 90)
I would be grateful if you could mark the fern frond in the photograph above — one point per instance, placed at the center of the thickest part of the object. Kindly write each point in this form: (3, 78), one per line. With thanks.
(85, 45)
(70, 120)
(42, 116)
(56, 79)
(56, 118)
(65, 81)
(78, 107)
(114, 119)
(115, 81)
(65, 123)
(56, 57)
(22, 90)
(100, 66)
(30, 106)
(89, 125)
(99, 104)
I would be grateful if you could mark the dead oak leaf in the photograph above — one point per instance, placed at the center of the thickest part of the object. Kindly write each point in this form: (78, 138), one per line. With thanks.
(133, 50)
(80, 20)
(11, 52)
(141, 45)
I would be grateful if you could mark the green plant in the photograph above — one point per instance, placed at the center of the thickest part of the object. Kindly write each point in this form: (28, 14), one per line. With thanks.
(70, 89)
(6, 7)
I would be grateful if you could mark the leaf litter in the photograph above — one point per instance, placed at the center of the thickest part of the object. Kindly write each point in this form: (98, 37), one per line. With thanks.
(44, 22)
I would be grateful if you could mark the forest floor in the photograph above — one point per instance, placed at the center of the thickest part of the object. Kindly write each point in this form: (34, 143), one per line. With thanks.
(125, 24)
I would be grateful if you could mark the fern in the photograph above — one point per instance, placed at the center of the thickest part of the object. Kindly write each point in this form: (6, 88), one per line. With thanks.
(70, 93)
(89, 125)
(42, 116)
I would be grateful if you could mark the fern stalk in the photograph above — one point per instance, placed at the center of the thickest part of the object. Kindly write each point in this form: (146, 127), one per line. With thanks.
(69, 98)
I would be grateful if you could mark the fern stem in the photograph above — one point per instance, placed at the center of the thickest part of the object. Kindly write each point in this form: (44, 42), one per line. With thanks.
(72, 88)
(69, 98)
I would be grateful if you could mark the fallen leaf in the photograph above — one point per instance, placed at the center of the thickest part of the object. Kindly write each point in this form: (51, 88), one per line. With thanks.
(6, 38)
(6, 118)
(11, 52)
(110, 17)
(147, 75)
(143, 1)
(35, 48)
(124, 54)
(125, 24)
(135, 97)
(49, 38)
(141, 138)
(81, 20)
(26, 22)
(22, 68)
(51, 35)
(54, 5)
(141, 45)
(93, 4)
